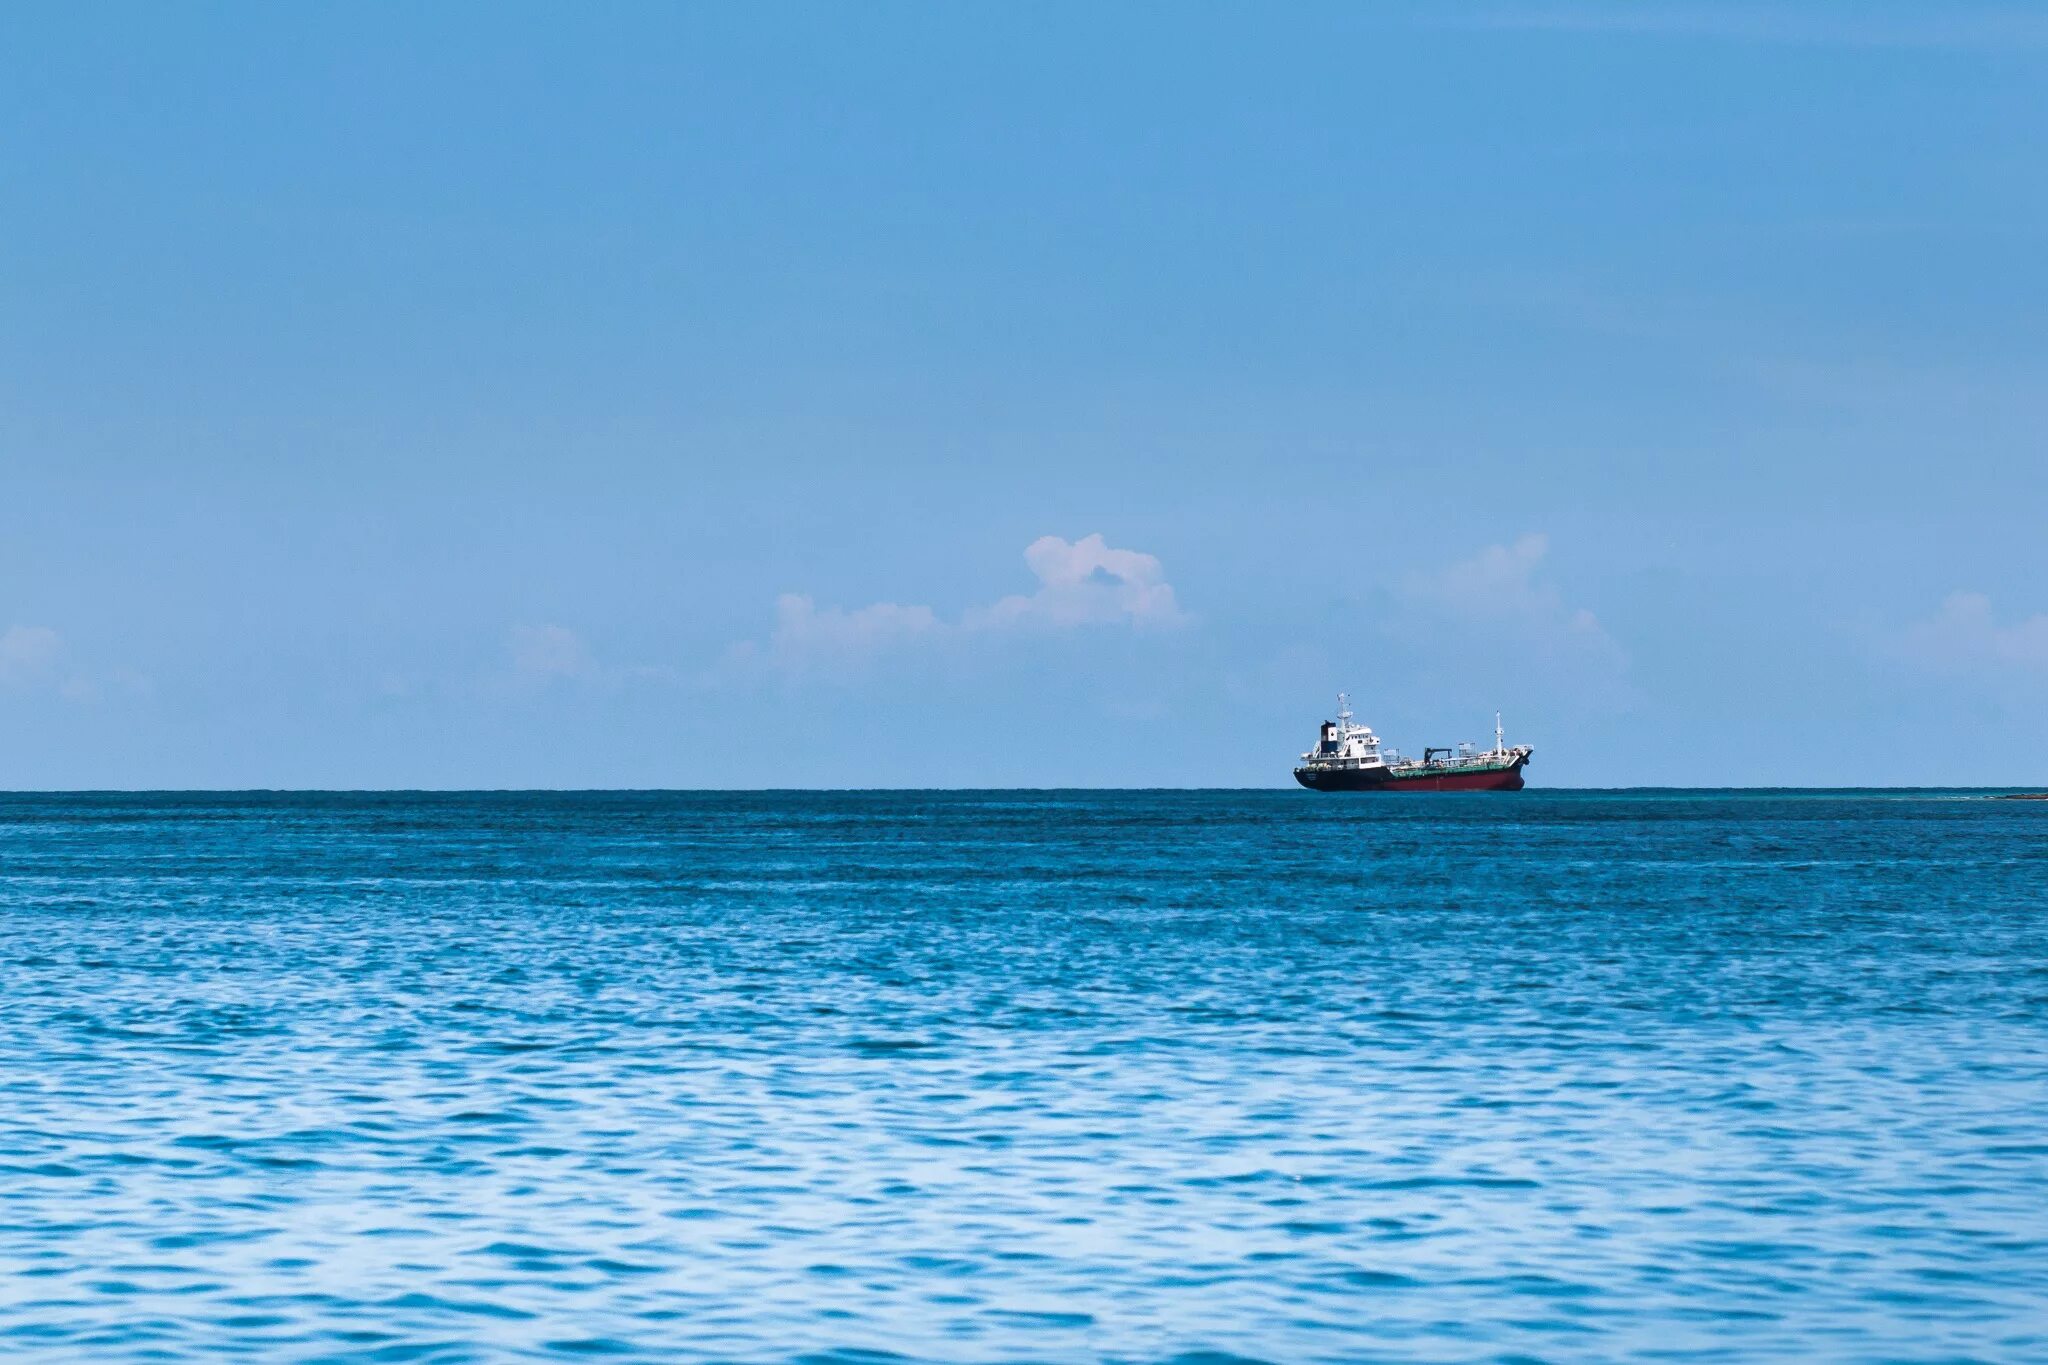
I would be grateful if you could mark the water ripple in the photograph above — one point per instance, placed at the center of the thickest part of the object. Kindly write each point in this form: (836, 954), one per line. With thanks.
(1200, 1077)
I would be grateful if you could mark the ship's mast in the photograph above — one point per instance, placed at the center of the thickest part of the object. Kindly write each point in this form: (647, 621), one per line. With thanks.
(1500, 745)
(1343, 715)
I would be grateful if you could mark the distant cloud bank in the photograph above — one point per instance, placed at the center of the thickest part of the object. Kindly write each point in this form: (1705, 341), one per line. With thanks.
(1082, 583)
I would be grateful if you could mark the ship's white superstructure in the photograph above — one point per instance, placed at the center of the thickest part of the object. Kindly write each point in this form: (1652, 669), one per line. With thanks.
(1343, 745)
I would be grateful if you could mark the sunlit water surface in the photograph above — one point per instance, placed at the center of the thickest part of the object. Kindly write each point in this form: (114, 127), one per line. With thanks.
(1023, 1076)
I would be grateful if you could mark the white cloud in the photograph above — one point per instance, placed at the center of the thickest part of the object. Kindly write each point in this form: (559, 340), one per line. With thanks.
(29, 654)
(804, 635)
(1965, 636)
(1087, 582)
(541, 657)
(1495, 630)
(543, 653)
(1503, 587)
(1083, 583)
(36, 659)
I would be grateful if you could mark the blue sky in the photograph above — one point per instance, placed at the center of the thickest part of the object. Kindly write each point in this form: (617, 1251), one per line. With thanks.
(921, 395)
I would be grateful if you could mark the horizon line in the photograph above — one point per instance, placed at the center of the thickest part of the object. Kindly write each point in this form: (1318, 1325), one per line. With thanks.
(829, 791)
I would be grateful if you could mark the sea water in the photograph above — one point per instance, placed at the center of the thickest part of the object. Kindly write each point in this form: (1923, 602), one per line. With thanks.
(1039, 1076)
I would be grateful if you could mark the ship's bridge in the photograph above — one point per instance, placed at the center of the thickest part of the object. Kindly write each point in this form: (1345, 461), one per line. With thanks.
(1344, 745)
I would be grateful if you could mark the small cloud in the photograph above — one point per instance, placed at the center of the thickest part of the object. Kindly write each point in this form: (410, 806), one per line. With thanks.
(1087, 582)
(1494, 628)
(545, 653)
(1964, 636)
(30, 655)
(538, 658)
(804, 635)
(1503, 586)
(36, 659)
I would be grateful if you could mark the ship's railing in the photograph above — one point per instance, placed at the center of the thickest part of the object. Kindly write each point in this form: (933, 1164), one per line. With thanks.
(1393, 758)
(1481, 759)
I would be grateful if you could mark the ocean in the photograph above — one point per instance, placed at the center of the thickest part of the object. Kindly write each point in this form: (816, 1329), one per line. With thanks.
(1024, 1076)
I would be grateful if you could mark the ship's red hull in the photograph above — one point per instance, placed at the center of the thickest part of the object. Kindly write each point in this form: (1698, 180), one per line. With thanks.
(1501, 780)
(1505, 778)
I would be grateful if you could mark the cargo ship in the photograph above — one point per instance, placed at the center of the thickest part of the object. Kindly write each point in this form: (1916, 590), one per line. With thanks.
(1350, 758)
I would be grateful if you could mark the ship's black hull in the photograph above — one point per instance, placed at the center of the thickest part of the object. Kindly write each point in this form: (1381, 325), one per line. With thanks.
(1505, 777)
